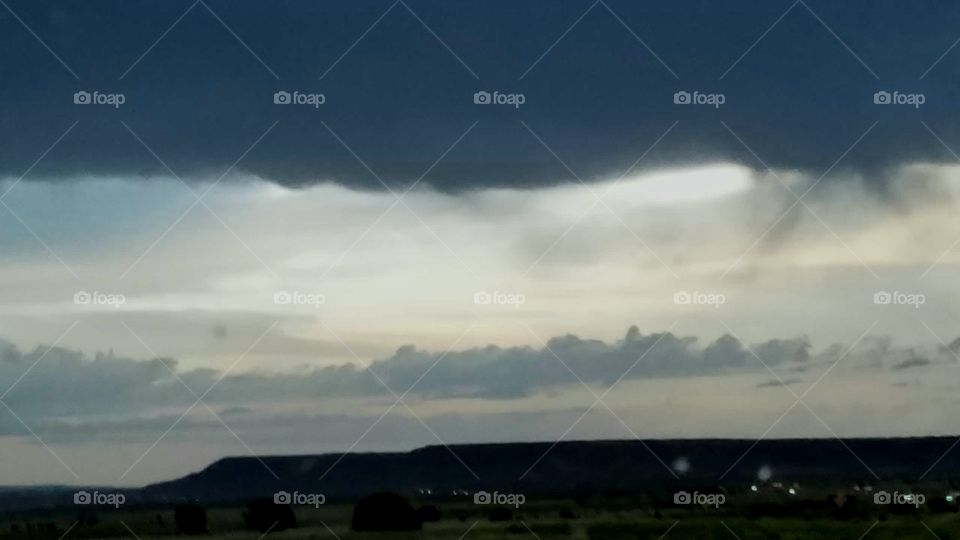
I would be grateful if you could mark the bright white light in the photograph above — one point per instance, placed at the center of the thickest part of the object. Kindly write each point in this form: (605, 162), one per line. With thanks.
(679, 186)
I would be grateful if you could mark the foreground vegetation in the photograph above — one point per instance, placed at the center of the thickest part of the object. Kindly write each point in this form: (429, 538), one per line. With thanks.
(465, 521)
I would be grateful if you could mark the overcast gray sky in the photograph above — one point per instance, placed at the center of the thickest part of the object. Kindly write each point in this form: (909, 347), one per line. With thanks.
(253, 232)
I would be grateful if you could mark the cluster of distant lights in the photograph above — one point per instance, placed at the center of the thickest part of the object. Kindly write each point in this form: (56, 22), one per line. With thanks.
(791, 491)
(764, 473)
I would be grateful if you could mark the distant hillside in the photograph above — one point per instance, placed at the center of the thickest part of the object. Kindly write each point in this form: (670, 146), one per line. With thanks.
(572, 468)
(568, 469)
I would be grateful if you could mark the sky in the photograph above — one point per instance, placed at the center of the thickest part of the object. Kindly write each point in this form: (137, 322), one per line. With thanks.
(233, 228)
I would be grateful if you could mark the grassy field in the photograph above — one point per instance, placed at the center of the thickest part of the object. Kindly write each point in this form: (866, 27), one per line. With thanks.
(533, 522)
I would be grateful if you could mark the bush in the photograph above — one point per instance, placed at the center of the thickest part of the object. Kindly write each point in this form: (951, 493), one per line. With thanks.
(190, 519)
(264, 515)
(429, 513)
(385, 512)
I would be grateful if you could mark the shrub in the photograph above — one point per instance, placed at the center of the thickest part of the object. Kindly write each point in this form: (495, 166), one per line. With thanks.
(190, 519)
(385, 512)
(264, 515)
(429, 513)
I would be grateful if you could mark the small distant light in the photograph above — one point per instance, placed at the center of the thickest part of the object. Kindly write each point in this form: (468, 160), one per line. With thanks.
(753, 488)
(792, 491)
(949, 498)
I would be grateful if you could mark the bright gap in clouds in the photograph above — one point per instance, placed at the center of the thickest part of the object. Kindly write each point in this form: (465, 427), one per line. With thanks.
(680, 185)
(584, 268)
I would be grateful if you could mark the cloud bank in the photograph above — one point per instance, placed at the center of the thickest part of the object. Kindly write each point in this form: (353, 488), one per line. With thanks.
(61, 389)
(402, 97)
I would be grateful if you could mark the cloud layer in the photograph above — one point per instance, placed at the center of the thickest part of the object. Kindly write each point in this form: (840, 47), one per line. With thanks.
(402, 96)
(61, 389)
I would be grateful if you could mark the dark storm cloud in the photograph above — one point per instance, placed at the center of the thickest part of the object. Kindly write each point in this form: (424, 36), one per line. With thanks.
(199, 97)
